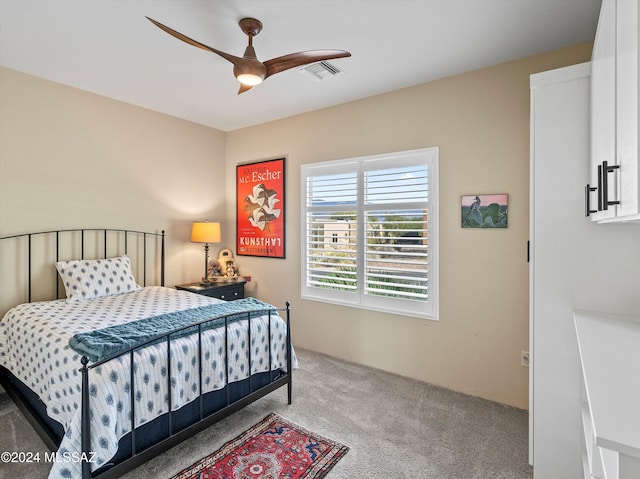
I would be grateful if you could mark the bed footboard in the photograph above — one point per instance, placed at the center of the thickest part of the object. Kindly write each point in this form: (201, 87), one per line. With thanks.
(205, 416)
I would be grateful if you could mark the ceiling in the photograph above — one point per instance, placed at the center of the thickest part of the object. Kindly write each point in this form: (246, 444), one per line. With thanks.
(108, 47)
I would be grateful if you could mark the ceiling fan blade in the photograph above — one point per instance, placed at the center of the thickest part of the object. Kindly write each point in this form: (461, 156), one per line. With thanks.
(232, 58)
(286, 62)
(244, 88)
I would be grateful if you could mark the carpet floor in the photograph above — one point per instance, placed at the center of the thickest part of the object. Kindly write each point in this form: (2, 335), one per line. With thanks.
(395, 428)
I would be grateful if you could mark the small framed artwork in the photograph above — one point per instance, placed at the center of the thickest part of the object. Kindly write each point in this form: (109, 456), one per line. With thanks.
(260, 203)
(485, 211)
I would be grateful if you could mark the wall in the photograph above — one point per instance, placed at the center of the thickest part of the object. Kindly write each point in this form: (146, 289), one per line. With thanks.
(480, 121)
(72, 159)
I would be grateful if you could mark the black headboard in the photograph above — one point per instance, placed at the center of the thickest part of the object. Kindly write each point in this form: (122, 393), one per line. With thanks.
(27, 261)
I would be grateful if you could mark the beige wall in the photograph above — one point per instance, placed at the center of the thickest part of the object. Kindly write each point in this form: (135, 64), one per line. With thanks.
(72, 159)
(480, 121)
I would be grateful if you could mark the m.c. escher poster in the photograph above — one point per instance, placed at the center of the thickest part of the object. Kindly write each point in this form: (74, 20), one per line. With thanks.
(260, 209)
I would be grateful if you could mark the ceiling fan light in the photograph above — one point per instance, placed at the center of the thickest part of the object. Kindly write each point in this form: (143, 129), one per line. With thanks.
(249, 79)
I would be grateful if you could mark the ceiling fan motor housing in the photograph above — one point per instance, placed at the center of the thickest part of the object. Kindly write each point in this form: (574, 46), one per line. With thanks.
(249, 70)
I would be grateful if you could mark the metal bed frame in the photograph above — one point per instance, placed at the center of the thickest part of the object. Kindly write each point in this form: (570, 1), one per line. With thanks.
(276, 379)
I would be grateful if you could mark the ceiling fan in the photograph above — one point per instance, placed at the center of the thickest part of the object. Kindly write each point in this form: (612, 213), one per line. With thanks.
(250, 71)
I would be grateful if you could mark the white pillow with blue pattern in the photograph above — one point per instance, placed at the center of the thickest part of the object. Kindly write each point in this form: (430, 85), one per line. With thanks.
(87, 279)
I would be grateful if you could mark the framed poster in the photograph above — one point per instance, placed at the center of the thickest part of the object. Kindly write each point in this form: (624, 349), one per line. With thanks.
(260, 209)
(485, 211)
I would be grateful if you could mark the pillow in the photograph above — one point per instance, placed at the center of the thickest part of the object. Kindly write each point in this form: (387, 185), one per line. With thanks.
(87, 279)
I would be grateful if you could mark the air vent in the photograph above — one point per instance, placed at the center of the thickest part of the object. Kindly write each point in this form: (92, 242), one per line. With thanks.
(321, 70)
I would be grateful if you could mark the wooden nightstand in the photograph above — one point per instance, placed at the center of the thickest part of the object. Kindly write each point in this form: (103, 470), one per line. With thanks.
(221, 289)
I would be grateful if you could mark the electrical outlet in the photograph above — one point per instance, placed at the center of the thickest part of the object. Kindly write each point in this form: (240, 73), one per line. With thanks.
(524, 359)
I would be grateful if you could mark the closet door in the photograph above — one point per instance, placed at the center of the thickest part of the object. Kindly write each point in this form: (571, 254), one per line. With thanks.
(560, 262)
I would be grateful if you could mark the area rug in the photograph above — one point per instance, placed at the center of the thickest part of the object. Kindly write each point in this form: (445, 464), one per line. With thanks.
(271, 449)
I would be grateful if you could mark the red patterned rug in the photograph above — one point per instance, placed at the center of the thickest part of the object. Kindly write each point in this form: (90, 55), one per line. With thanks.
(273, 448)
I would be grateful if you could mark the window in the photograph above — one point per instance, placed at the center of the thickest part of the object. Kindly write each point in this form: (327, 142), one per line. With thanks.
(369, 232)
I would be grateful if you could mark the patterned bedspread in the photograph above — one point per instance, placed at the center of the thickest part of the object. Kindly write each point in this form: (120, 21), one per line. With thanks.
(34, 346)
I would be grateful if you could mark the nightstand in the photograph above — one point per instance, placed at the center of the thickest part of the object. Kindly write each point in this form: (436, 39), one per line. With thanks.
(228, 290)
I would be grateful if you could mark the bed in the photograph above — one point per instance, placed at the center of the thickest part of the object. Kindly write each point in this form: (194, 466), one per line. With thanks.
(112, 373)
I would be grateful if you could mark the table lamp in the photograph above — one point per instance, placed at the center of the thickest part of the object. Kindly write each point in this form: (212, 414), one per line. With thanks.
(205, 232)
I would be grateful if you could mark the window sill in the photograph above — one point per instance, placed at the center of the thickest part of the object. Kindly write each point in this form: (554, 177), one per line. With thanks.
(411, 313)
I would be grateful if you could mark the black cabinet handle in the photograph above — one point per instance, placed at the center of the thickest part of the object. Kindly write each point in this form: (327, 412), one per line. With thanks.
(599, 187)
(587, 200)
(603, 176)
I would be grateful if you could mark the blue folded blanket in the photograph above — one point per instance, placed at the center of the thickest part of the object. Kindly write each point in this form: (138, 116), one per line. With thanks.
(102, 343)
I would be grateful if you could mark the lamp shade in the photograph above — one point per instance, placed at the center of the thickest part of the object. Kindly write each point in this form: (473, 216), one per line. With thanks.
(205, 232)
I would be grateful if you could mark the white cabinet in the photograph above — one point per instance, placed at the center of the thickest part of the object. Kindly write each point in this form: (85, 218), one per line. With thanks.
(610, 360)
(627, 107)
(603, 110)
(613, 193)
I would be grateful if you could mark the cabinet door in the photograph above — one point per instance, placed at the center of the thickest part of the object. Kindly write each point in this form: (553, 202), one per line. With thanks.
(627, 106)
(603, 103)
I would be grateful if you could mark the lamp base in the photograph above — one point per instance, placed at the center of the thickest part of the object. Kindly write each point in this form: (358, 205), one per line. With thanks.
(205, 278)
